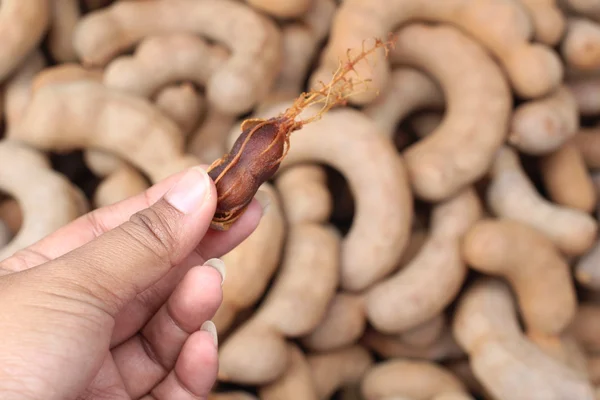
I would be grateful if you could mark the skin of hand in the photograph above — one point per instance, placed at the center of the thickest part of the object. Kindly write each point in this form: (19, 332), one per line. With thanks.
(117, 304)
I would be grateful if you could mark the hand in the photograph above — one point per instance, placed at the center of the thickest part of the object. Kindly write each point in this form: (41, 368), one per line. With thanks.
(117, 304)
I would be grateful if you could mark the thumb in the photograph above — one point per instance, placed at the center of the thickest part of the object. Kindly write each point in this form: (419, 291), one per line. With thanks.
(125, 261)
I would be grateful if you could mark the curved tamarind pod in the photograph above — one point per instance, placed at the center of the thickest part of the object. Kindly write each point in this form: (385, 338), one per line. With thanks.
(518, 252)
(462, 148)
(93, 116)
(30, 168)
(191, 58)
(502, 358)
(430, 281)
(294, 305)
(512, 195)
(549, 22)
(22, 26)
(542, 125)
(254, 43)
(502, 27)
(420, 380)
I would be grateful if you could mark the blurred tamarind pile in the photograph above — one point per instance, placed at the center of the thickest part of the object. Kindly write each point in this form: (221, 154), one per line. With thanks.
(434, 239)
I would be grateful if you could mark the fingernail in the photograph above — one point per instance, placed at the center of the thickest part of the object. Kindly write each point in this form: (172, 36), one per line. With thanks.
(219, 265)
(190, 191)
(263, 199)
(209, 326)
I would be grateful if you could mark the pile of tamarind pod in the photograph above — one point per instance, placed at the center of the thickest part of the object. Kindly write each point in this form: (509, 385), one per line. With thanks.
(434, 239)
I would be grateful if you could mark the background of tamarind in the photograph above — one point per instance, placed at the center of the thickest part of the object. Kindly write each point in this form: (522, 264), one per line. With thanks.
(437, 241)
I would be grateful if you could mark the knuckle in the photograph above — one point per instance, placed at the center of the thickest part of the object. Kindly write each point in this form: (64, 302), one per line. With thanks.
(23, 259)
(102, 393)
(96, 224)
(154, 232)
(151, 299)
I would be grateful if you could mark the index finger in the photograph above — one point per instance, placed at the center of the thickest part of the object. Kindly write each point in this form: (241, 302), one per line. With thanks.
(93, 224)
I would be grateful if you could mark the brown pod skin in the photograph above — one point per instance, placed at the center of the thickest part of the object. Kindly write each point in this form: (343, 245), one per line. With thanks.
(253, 159)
